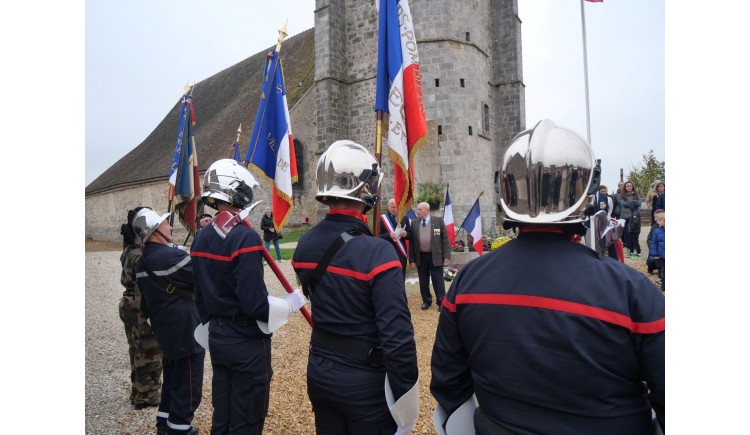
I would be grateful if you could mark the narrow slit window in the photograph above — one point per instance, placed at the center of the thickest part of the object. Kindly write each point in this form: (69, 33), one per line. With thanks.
(468, 37)
(470, 131)
(440, 129)
(437, 83)
(462, 83)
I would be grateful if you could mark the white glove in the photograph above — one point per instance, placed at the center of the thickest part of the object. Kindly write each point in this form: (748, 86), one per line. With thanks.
(404, 430)
(295, 299)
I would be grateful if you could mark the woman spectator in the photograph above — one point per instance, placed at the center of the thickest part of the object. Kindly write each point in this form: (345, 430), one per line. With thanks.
(657, 202)
(270, 234)
(630, 203)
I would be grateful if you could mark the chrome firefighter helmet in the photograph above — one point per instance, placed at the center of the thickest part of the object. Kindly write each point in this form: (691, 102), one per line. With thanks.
(348, 171)
(228, 181)
(546, 175)
(146, 221)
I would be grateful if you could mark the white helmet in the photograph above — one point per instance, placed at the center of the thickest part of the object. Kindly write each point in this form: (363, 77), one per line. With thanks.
(228, 181)
(146, 221)
(545, 176)
(347, 170)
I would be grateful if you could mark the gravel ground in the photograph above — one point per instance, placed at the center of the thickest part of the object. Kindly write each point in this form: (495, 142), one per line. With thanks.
(108, 410)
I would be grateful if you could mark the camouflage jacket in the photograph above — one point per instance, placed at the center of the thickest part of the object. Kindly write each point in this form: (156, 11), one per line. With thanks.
(129, 258)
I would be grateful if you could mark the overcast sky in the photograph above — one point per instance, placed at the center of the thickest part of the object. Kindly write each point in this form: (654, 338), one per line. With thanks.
(140, 54)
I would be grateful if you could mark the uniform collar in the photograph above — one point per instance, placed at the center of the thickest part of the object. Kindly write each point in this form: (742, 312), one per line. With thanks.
(352, 213)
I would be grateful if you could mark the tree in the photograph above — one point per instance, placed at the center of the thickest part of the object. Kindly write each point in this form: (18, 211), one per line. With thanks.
(644, 175)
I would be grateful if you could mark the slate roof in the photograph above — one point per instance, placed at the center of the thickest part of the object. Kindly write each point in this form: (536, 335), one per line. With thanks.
(222, 102)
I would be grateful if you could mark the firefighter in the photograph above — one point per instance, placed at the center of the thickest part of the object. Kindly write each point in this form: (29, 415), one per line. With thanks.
(362, 367)
(234, 303)
(165, 277)
(545, 335)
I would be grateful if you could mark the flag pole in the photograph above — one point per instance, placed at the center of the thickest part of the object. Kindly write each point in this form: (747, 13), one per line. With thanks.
(586, 73)
(170, 190)
(237, 142)
(378, 158)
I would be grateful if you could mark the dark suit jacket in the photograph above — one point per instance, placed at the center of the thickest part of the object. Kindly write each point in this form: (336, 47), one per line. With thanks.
(439, 244)
(385, 234)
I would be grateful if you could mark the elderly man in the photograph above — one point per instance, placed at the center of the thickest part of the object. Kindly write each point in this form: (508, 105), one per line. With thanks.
(430, 250)
(397, 235)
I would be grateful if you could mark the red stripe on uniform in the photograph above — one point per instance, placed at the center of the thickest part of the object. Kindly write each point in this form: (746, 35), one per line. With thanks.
(224, 257)
(564, 306)
(351, 273)
(449, 306)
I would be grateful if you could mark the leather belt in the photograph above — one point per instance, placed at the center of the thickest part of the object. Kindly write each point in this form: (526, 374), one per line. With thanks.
(354, 349)
(239, 320)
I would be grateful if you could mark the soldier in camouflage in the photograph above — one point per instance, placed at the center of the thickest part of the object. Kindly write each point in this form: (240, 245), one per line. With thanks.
(145, 354)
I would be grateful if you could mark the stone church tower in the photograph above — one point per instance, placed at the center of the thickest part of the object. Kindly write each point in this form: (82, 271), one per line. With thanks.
(470, 57)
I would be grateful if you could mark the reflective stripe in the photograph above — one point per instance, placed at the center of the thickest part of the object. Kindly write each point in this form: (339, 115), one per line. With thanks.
(162, 414)
(363, 276)
(169, 271)
(224, 257)
(564, 306)
(178, 426)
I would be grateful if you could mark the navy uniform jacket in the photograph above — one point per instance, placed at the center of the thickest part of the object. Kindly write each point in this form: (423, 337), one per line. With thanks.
(173, 318)
(361, 296)
(229, 280)
(552, 339)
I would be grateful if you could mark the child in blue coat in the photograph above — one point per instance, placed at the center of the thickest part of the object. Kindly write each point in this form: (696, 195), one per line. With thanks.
(656, 247)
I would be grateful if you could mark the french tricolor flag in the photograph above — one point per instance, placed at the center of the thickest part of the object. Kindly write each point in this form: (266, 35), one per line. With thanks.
(473, 225)
(271, 146)
(450, 227)
(398, 93)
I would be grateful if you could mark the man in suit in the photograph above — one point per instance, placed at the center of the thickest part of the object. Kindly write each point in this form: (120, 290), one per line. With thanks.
(430, 249)
(397, 235)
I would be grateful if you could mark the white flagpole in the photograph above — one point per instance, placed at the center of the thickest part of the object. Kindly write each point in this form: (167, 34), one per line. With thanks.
(586, 74)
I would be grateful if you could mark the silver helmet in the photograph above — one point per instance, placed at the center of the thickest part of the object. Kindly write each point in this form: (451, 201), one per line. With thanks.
(545, 176)
(228, 181)
(146, 221)
(347, 170)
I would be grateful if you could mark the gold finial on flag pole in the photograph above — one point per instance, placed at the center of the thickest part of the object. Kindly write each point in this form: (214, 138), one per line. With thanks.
(186, 88)
(239, 130)
(282, 34)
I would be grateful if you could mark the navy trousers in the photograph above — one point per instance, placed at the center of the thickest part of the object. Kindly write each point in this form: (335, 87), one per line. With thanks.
(241, 383)
(181, 392)
(346, 398)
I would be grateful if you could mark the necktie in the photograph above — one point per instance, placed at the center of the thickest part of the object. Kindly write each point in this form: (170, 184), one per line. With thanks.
(424, 222)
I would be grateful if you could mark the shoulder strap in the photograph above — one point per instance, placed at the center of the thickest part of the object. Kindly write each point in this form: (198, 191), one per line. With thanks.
(327, 257)
(166, 285)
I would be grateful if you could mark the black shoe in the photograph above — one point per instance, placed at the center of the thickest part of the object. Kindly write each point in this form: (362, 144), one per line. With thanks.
(144, 405)
(426, 305)
(161, 428)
